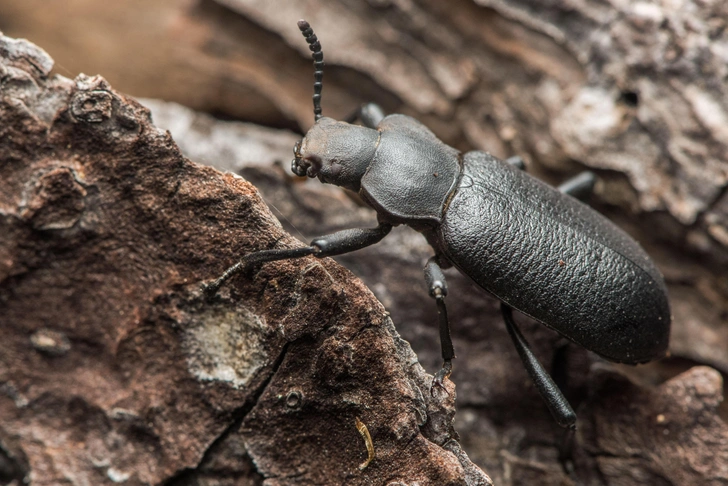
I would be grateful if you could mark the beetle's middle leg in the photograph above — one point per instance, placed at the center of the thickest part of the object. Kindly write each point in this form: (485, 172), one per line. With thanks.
(437, 287)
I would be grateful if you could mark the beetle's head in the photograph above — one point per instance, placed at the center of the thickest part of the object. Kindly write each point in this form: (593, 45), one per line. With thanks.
(335, 152)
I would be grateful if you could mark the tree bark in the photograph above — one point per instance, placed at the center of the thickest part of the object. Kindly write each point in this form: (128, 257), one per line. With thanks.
(115, 369)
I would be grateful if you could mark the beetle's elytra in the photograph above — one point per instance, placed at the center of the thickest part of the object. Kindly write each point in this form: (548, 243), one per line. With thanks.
(536, 248)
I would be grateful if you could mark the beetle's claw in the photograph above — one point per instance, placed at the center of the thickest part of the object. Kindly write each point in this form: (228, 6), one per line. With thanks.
(209, 289)
(440, 377)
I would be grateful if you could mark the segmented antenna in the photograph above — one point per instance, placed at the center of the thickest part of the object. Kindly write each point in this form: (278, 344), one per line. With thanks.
(318, 63)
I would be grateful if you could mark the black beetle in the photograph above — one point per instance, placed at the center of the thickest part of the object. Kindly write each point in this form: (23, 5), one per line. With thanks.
(534, 247)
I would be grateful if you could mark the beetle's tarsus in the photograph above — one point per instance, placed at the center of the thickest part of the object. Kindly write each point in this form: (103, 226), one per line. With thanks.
(210, 289)
(440, 376)
(250, 261)
(566, 450)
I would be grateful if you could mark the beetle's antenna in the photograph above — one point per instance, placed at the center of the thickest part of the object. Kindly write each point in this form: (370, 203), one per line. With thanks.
(318, 63)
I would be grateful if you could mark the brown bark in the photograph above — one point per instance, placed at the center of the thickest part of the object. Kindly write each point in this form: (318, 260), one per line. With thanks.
(112, 365)
(114, 369)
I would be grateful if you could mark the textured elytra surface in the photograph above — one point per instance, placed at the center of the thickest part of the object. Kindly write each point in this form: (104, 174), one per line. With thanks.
(556, 260)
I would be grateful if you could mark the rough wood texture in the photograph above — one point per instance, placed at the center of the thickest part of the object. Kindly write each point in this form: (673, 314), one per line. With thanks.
(633, 90)
(115, 370)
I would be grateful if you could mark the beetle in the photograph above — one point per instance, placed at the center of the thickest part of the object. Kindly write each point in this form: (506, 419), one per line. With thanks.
(536, 248)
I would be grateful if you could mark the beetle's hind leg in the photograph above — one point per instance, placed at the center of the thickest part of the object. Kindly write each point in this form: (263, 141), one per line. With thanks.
(580, 186)
(437, 287)
(555, 400)
(370, 115)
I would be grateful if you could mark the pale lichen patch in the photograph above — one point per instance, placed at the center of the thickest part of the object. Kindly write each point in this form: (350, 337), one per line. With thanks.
(226, 346)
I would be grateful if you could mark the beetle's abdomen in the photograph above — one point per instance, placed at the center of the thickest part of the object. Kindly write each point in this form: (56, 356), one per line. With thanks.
(556, 260)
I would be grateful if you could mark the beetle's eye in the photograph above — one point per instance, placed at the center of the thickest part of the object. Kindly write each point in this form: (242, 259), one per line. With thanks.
(297, 149)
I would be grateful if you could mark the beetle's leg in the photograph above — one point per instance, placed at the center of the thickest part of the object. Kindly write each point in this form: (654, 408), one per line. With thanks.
(579, 186)
(252, 259)
(370, 115)
(437, 287)
(337, 243)
(555, 400)
(517, 162)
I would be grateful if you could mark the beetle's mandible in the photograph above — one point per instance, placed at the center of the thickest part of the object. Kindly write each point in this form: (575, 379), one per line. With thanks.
(536, 248)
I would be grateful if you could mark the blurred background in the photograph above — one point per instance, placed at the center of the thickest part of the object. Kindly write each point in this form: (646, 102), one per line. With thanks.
(635, 92)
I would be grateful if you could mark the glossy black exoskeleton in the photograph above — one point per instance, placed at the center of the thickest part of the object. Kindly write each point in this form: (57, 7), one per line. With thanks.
(536, 248)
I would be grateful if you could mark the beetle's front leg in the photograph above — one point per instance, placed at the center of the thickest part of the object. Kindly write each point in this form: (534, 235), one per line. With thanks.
(344, 241)
(437, 287)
